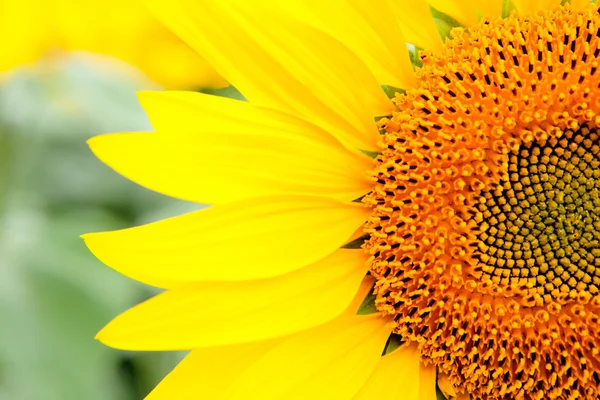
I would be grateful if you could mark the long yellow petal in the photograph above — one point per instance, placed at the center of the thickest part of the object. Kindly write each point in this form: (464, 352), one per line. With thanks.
(400, 376)
(287, 65)
(427, 378)
(252, 239)
(205, 373)
(215, 150)
(531, 6)
(223, 313)
(329, 362)
(417, 23)
(464, 11)
(369, 29)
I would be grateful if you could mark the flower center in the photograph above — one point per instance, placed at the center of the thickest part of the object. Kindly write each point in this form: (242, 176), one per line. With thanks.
(484, 235)
(541, 228)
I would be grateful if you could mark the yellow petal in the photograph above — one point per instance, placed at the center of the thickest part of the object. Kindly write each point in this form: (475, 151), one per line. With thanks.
(369, 29)
(207, 372)
(252, 239)
(286, 65)
(400, 376)
(464, 11)
(531, 6)
(427, 378)
(329, 362)
(223, 313)
(215, 150)
(417, 23)
(204, 373)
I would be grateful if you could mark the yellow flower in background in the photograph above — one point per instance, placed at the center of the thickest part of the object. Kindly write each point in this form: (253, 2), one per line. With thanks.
(122, 29)
(470, 203)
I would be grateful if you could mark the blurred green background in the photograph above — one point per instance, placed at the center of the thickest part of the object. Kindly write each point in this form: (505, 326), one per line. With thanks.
(54, 295)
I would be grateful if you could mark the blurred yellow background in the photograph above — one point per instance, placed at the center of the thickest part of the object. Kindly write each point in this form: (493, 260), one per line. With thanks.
(124, 29)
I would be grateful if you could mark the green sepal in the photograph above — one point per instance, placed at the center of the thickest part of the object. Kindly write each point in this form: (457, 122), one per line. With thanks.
(390, 91)
(368, 305)
(372, 154)
(356, 243)
(381, 132)
(444, 23)
(413, 53)
(229, 91)
(439, 394)
(393, 342)
(359, 200)
(507, 8)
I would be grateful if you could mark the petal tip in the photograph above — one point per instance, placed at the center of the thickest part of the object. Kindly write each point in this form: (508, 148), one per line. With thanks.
(91, 240)
(92, 141)
(105, 337)
(102, 336)
(145, 94)
(97, 143)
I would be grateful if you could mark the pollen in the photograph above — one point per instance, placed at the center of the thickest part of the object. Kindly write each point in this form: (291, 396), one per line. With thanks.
(484, 237)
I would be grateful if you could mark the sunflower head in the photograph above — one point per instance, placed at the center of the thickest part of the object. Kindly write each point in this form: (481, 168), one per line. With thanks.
(479, 229)
(484, 234)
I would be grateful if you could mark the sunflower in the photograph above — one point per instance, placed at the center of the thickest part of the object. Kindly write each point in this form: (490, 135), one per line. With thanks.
(442, 240)
(120, 29)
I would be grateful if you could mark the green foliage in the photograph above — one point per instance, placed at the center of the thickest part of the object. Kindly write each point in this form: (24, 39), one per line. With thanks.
(54, 295)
